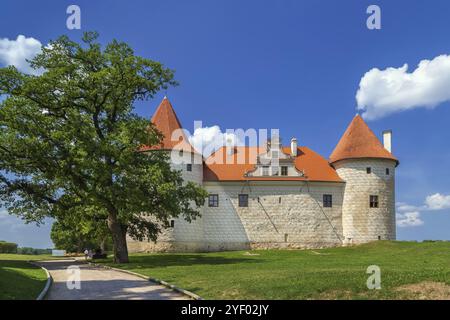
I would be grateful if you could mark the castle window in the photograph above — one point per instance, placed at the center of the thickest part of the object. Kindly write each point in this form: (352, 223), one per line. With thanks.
(327, 201)
(374, 201)
(369, 170)
(189, 167)
(265, 170)
(243, 200)
(213, 200)
(387, 171)
(172, 223)
(284, 171)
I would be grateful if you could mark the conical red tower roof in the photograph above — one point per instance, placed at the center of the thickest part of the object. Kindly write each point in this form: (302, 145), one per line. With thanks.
(359, 141)
(166, 121)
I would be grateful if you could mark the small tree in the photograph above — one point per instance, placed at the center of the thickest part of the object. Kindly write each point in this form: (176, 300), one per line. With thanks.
(69, 139)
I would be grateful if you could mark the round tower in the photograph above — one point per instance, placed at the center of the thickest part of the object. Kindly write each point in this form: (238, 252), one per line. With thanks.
(368, 168)
(180, 235)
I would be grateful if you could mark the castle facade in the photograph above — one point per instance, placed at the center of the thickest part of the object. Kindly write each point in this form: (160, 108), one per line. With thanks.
(301, 200)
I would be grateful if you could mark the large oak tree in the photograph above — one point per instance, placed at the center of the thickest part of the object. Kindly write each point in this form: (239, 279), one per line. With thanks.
(70, 140)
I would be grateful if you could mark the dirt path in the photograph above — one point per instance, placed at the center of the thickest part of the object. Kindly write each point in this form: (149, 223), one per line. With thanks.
(101, 284)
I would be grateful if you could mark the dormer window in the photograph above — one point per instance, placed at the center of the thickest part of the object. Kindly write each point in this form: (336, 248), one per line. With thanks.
(275, 163)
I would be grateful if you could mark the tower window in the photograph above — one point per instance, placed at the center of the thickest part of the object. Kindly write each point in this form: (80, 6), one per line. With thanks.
(189, 167)
(387, 171)
(327, 201)
(369, 170)
(373, 201)
(213, 200)
(284, 171)
(172, 223)
(243, 200)
(265, 170)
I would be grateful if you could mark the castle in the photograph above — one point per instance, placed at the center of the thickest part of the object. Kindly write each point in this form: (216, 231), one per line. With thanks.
(302, 200)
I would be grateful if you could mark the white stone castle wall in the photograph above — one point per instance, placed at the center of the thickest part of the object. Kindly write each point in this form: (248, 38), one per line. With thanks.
(295, 221)
(360, 222)
(298, 220)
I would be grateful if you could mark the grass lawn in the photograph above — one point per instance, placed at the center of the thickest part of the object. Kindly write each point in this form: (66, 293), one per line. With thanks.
(335, 273)
(20, 280)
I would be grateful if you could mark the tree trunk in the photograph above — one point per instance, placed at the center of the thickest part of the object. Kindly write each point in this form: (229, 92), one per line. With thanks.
(103, 244)
(119, 234)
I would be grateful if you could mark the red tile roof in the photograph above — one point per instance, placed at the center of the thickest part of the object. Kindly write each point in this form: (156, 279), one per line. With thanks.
(316, 167)
(166, 121)
(359, 141)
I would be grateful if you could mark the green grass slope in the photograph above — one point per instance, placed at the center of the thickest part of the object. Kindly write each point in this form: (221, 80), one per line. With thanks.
(20, 280)
(335, 273)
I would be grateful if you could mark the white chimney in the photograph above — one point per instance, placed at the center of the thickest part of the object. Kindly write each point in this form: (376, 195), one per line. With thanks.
(294, 147)
(387, 140)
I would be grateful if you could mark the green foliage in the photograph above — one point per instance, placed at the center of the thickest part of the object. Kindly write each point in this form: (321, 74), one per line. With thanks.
(74, 234)
(8, 247)
(69, 140)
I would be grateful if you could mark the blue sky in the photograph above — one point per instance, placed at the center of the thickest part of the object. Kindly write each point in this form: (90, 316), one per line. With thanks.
(292, 65)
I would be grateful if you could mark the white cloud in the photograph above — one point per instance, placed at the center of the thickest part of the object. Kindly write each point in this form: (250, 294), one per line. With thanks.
(409, 215)
(209, 139)
(438, 202)
(17, 52)
(383, 92)
(404, 207)
(409, 219)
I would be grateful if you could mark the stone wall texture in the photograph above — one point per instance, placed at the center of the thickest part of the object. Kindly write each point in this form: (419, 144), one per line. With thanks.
(360, 222)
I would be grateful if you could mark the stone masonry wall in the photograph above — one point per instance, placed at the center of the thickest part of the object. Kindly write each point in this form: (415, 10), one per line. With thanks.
(279, 215)
(360, 222)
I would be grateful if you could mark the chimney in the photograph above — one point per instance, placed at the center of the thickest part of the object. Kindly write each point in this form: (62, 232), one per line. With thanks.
(294, 147)
(387, 140)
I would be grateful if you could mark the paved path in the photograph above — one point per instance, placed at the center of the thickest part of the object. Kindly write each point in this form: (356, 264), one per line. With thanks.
(102, 284)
